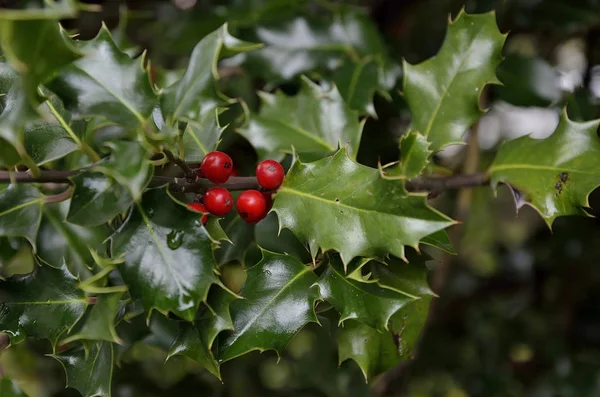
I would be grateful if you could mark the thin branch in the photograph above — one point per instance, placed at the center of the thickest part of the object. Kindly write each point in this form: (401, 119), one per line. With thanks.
(44, 177)
(182, 185)
(57, 198)
(182, 164)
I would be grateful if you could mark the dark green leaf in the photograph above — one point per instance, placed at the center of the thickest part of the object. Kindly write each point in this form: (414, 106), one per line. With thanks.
(409, 278)
(106, 82)
(269, 237)
(407, 324)
(279, 301)
(47, 143)
(90, 373)
(241, 235)
(169, 263)
(443, 92)
(195, 93)
(99, 322)
(367, 302)
(43, 304)
(316, 120)
(196, 341)
(440, 240)
(97, 199)
(374, 351)
(414, 157)
(9, 388)
(21, 212)
(128, 165)
(202, 136)
(26, 42)
(352, 210)
(555, 175)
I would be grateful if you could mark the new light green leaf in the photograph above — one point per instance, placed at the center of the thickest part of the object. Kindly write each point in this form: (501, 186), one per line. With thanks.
(414, 157)
(196, 92)
(98, 324)
(106, 82)
(316, 120)
(337, 204)
(196, 341)
(279, 301)
(21, 212)
(367, 302)
(89, 372)
(97, 199)
(555, 175)
(43, 304)
(443, 91)
(374, 351)
(169, 262)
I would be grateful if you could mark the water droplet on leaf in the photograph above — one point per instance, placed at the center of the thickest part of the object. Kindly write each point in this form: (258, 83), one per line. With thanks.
(175, 238)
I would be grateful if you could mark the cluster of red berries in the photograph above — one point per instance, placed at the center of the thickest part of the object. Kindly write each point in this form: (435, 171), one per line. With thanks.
(252, 205)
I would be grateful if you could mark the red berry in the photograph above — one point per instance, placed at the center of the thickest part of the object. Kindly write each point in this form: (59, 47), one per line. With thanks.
(218, 201)
(269, 174)
(197, 207)
(251, 206)
(217, 167)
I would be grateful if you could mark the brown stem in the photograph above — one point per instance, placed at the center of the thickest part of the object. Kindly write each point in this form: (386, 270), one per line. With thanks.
(50, 176)
(57, 198)
(174, 159)
(183, 185)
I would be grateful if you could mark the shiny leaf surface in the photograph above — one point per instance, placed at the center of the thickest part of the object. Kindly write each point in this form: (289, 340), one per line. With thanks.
(316, 120)
(202, 136)
(20, 212)
(90, 373)
(43, 304)
(443, 92)
(414, 156)
(169, 263)
(279, 301)
(352, 210)
(556, 174)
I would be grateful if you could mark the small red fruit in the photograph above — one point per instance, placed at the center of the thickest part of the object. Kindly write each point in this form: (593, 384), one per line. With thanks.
(269, 174)
(251, 206)
(217, 167)
(197, 207)
(218, 201)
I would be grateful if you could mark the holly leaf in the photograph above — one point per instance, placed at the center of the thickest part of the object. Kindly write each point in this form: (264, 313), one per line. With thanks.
(440, 240)
(99, 322)
(409, 278)
(10, 388)
(268, 236)
(202, 136)
(279, 301)
(169, 263)
(374, 351)
(96, 199)
(443, 92)
(128, 165)
(43, 304)
(21, 212)
(367, 302)
(353, 210)
(90, 373)
(26, 42)
(407, 325)
(196, 92)
(316, 121)
(241, 235)
(106, 82)
(414, 157)
(196, 341)
(61, 242)
(555, 175)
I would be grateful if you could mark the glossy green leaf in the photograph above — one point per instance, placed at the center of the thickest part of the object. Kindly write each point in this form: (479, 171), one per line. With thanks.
(26, 42)
(106, 82)
(16, 257)
(367, 302)
(268, 236)
(10, 388)
(202, 136)
(410, 278)
(196, 92)
(352, 210)
(374, 351)
(128, 165)
(43, 304)
(98, 324)
(443, 92)
(241, 235)
(96, 199)
(408, 323)
(169, 263)
(316, 120)
(196, 341)
(279, 301)
(21, 211)
(61, 242)
(414, 157)
(555, 175)
(440, 240)
(90, 373)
